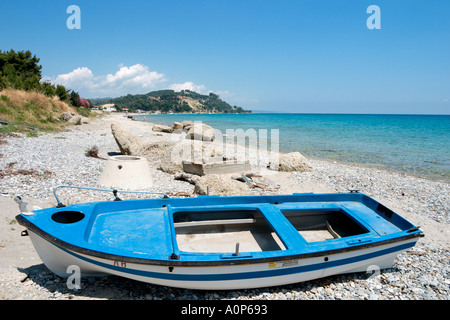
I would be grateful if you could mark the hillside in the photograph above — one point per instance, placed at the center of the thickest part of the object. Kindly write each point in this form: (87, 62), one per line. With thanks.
(27, 100)
(185, 101)
(24, 108)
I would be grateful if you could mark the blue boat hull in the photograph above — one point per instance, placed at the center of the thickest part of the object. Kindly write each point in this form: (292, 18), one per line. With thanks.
(154, 240)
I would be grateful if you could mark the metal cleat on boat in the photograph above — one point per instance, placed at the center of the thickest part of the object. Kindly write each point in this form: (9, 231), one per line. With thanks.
(23, 206)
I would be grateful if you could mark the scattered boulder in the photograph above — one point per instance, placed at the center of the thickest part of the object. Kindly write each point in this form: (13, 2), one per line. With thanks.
(162, 128)
(169, 167)
(288, 162)
(221, 185)
(187, 124)
(183, 176)
(168, 156)
(201, 131)
(160, 154)
(254, 180)
(76, 120)
(177, 126)
(65, 116)
(127, 143)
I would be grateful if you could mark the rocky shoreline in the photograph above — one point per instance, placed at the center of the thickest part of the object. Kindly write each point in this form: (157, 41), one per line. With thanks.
(32, 167)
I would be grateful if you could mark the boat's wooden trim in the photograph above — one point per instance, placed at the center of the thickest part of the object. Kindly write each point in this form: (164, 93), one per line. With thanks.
(223, 262)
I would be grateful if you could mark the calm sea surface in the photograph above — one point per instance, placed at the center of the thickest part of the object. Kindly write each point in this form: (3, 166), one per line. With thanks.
(418, 144)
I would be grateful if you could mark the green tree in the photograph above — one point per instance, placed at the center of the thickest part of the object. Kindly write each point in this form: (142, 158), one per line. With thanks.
(19, 70)
(61, 92)
(75, 99)
(47, 88)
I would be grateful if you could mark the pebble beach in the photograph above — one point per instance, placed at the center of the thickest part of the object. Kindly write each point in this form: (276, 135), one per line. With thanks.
(32, 166)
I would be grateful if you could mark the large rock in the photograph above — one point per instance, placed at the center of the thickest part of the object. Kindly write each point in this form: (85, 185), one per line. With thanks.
(170, 167)
(183, 176)
(158, 153)
(187, 124)
(288, 162)
(76, 120)
(221, 185)
(177, 126)
(201, 131)
(66, 116)
(127, 143)
(162, 128)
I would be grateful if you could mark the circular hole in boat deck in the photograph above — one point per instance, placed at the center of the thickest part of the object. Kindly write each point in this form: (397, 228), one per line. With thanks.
(67, 216)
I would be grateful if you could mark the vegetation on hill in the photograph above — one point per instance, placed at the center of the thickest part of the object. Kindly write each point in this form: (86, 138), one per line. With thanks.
(26, 100)
(185, 101)
(31, 109)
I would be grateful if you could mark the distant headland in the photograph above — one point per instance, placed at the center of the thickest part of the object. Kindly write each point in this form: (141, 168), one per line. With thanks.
(170, 101)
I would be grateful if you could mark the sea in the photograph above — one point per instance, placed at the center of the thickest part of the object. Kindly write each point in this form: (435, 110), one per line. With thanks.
(414, 144)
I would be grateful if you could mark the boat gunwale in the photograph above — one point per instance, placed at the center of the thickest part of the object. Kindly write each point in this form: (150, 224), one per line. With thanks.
(222, 262)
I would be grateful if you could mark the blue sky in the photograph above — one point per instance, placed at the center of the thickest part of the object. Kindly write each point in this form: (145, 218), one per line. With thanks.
(285, 56)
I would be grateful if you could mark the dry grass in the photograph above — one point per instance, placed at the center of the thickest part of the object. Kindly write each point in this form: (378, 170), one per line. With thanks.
(32, 109)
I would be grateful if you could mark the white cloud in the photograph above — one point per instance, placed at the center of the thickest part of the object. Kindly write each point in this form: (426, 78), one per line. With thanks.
(79, 76)
(136, 76)
(189, 85)
(135, 79)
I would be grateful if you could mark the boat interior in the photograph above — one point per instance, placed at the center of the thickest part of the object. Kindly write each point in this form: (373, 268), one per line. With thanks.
(248, 231)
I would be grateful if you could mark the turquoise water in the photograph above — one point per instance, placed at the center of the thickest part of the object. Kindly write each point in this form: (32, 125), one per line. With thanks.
(417, 144)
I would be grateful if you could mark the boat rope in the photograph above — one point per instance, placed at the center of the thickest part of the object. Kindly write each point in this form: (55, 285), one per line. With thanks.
(116, 198)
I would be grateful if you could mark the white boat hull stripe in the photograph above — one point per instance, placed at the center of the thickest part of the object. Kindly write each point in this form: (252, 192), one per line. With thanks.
(244, 275)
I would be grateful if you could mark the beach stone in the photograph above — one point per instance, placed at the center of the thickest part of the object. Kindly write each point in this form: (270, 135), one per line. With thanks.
(201, 131)
(177, 126)
(162, 128)
(187, 124)
(170, 167)
(221, 185)
(158, 151)
(288, 162)
(76, 120)
(191, 178)
(66, 116)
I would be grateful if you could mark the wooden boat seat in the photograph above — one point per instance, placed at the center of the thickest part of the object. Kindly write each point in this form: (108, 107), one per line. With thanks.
(213, 222)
